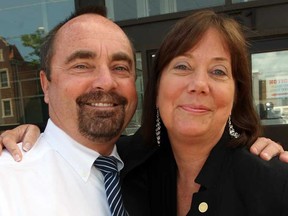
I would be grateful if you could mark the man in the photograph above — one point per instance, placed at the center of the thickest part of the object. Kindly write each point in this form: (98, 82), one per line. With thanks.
(88, 80)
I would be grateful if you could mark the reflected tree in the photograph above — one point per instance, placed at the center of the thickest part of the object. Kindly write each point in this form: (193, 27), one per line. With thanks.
(33, 41)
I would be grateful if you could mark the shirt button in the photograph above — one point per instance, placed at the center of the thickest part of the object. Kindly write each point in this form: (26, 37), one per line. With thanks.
(203, 207)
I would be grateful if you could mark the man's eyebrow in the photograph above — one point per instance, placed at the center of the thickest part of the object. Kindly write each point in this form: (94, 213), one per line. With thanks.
(121, 56)
(81, 54)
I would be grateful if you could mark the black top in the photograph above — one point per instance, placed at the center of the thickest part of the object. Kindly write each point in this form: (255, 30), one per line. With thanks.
(233, 182)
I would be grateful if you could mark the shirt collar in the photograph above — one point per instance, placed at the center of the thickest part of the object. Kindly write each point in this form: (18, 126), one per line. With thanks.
(79, 157)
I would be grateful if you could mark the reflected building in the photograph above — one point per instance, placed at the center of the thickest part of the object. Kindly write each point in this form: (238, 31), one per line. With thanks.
(21, 98)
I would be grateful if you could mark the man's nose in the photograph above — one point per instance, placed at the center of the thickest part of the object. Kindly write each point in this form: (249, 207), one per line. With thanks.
(104, 79)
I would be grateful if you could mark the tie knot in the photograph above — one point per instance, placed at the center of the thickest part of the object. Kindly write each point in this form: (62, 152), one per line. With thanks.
(106, 164)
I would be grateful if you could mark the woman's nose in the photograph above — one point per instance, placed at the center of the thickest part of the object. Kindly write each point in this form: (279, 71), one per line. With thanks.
(199, 82)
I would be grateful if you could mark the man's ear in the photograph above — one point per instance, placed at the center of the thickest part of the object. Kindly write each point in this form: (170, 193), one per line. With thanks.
(45, 85)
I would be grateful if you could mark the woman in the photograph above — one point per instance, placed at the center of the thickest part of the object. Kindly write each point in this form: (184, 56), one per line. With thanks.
(200, 97)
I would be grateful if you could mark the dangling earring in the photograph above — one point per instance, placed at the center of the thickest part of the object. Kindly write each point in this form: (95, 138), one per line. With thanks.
(158, 127)
(232, 131)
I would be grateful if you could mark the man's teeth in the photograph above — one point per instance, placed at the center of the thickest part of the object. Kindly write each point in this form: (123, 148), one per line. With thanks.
(102, 104)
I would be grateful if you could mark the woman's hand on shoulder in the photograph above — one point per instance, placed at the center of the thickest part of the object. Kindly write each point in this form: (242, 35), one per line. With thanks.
(267, 149)
(27, 134)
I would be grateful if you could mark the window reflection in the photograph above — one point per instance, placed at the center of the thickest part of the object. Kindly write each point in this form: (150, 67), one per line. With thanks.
(240, 1)
(135, 122)
(23, 26)
(270, 86)
(132, 9)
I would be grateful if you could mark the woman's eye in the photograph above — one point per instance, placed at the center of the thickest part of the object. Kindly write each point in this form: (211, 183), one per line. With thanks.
(219, 72)
(181, 67)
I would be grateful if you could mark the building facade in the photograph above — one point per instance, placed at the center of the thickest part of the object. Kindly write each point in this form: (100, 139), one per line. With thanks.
(20, 90)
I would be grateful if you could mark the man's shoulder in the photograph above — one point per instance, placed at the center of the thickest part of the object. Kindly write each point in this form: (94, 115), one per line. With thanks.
(6, 157)
(36, 153)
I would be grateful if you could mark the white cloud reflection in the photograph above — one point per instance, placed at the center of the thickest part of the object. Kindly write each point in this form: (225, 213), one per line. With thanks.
(270, 63)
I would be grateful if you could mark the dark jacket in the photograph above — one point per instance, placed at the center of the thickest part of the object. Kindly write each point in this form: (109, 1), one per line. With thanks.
(233, 182)
(134, 177)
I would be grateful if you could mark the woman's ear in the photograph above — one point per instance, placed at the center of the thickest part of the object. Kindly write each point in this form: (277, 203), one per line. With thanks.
(156, 97)
(45, 85)
(157, 104)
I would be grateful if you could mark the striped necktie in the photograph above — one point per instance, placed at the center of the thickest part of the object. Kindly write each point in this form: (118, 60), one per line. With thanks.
(108, 167)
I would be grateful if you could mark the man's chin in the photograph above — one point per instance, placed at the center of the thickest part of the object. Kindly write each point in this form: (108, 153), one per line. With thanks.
(101, 130)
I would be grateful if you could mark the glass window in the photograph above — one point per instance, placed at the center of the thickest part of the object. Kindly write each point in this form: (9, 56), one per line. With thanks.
(4, 78)
(240, 1)
(23, 25)
(270, 86)
(1, 55)
(135, 122)
(184, 5)
(7, 108)
(132, 9)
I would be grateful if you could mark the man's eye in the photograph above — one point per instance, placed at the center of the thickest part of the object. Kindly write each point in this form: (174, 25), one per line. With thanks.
(81, 69)
(81, 66)
(121, 68)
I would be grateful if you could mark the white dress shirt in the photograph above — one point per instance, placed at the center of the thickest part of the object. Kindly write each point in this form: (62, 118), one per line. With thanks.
(55, 178)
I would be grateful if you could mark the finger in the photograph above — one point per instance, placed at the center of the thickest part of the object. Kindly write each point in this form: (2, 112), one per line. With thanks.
(271, 150)
(10, 138)
(284, 156)
(31, 135)
(7, 140)
(1, 146)
(259, 145)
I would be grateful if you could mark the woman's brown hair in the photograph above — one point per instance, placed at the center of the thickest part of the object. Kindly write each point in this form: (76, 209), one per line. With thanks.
(184, 36)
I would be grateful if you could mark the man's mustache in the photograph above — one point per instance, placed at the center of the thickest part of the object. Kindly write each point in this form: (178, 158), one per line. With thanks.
(101, 97)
